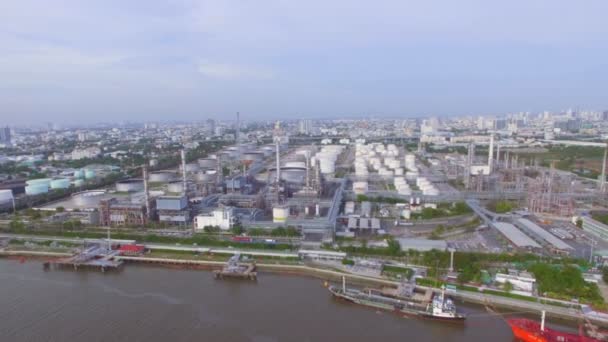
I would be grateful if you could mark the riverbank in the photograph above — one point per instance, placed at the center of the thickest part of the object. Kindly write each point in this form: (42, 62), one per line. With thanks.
(335, 276)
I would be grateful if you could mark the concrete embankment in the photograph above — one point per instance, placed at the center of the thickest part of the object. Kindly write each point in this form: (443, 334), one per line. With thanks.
(331, 275)
(35, 254)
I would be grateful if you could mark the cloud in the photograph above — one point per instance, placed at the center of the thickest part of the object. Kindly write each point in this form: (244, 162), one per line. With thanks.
(234, 71)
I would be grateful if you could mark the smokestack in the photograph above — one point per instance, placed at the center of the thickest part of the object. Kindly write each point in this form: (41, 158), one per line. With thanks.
(238, 127)
(278, 161)
(603, 176)
(491, 153)
(497, 155)
(146, 192)
(185, 183)
(307, 156)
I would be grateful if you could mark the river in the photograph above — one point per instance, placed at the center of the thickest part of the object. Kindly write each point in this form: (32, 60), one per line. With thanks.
(147, 303)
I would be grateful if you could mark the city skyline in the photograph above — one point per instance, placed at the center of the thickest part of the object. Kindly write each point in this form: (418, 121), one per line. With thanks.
(190, 60)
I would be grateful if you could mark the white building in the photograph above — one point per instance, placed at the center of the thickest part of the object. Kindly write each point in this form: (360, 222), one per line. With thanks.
(222, 217)
(522, 281)
(88, 152)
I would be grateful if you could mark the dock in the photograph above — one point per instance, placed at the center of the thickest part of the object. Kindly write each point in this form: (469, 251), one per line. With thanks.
(237, 270)
(93, 257)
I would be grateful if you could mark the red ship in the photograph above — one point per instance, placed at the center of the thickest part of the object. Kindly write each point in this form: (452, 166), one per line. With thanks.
(528, 330)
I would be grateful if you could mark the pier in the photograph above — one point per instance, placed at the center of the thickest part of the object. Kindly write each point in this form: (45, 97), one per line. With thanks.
(237, 270)
(95, 257)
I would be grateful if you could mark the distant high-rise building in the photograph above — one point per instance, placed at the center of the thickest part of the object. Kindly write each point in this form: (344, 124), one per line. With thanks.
(210, 126)
(500, 124)
(5, 135)
(605, 115)
(305, 126)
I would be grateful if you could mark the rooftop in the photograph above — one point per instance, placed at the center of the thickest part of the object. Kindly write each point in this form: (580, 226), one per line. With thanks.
(516, 236)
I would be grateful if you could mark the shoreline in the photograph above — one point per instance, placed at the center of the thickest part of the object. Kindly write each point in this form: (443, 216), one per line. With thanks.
(334, 276)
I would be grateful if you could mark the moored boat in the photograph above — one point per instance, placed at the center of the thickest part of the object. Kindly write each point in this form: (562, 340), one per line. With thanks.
(440, 308)
(529, 330)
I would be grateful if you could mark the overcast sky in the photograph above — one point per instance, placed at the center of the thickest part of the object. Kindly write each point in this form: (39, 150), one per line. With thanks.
(110, 60)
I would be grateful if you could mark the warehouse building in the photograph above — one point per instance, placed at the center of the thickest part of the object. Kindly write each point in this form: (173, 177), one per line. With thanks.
(543, 236)
(223, 218)
(173, 209)
(515, 236)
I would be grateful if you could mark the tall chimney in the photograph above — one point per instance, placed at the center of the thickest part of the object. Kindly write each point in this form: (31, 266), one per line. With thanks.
(498, 155)
(238, 127)
(146, 192)
(185, 183)
(603, 176)
(278, 160)
(307, 156)
(491, 153)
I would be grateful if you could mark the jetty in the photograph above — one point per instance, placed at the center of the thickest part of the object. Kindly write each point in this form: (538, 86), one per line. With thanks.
(95, 256)
(235, 269)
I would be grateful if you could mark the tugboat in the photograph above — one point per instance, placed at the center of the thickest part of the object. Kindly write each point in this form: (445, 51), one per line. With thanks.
(440, 308)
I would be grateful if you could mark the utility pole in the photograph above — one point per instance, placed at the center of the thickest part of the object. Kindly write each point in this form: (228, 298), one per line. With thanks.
(591, 251)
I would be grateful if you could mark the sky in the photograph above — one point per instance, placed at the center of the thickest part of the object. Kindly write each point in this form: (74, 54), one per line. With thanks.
(152, 60)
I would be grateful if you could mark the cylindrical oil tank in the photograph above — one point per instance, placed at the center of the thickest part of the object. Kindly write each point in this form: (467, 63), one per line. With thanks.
(192, 167)
(300, 164)
(161, 177)
(61, 183)
(6, 196)
(280, 214)
(130, 185)
(295, 175)
(175, 187)
(252, 156)
(45, 181)
(88, 198)
(229, 155)
(360, 188)
(207, 163)
(79, 174)
(89, 174)
(206, 177)
(78, 182)
(36, 189)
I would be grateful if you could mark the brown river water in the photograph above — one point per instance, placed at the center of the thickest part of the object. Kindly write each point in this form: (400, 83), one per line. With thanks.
(147, 303)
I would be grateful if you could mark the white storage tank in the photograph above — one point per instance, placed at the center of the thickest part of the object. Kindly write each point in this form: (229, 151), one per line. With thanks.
(130, 185)
(6, 196)
(89, 174)
(36, 189)
(78, 182)
(161, 177)
(79, 174)
(206, 177)
(192, 167)
(295, 164)
(61, 183)
(88, 198)
(207, 163)
(280, 214)
(175, 187)
(360, 188)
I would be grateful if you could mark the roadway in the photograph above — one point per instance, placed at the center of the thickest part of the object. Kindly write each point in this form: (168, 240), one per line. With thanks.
(153, 246)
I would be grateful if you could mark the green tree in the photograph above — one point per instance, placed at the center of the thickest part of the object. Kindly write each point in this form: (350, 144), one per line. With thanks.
(507, 286)
(16, 223)
(237, 229)
(211, 229)
(60, 209)
(579, 223)
(394, 248)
